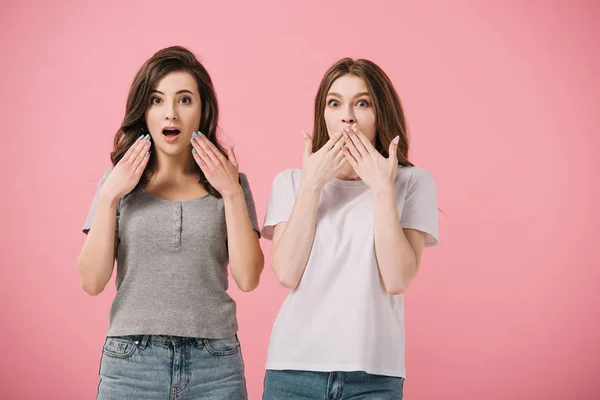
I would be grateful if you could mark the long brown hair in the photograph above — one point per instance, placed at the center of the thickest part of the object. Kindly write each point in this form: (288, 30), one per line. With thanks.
(163, 62)
(389, 115)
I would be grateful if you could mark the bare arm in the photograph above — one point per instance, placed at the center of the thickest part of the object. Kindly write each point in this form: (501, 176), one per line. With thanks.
(292, 241)
(97, 258)
(398, 250)
(246, 258)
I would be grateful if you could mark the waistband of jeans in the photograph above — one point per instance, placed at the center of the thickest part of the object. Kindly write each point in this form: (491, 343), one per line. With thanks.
(164, 339)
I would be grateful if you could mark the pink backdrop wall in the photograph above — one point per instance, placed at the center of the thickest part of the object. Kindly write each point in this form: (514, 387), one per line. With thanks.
(502, 101)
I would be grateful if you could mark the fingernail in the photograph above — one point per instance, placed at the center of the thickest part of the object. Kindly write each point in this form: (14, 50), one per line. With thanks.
(304, 134)
(194, 134)
(347, 128)
(147, 136)
(141, 137)
(194, 151)
(147, 154)
(200, 133)
(354, 128)
(396, 139)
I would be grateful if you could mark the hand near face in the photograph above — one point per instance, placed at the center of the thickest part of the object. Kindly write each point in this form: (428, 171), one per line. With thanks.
(322, 166)
(221, 173)
(128, 171)
(375, 170)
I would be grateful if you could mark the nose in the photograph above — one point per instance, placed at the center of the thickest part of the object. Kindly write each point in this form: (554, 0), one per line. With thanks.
(348, 116)
(171, 113)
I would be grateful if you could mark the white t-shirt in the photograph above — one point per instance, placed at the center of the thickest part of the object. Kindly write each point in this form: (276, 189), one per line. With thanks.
(340, 318)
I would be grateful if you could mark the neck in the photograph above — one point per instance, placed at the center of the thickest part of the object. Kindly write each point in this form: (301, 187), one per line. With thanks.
(347, 173)
(172, 166)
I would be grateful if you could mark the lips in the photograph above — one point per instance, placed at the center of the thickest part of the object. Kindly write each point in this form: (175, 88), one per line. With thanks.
(171, 134)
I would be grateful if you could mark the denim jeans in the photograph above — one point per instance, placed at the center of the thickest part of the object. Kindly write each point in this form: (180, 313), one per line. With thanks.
(170, 367)
(355, 385)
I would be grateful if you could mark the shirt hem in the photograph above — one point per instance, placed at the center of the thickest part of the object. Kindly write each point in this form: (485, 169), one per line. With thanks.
(336, 367)
(204, 334)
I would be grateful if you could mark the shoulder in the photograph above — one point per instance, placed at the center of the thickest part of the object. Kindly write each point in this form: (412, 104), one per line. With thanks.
(414, 176)
(288, 177)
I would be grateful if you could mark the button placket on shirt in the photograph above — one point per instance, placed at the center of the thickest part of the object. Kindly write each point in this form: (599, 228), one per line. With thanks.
(177, 224)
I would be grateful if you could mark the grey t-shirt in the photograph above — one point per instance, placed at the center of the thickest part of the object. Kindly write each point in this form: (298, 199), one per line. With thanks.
(172, 265)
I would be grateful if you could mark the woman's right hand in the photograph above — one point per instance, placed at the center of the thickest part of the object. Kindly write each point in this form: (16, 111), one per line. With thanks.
(128, 171)
(321, 167)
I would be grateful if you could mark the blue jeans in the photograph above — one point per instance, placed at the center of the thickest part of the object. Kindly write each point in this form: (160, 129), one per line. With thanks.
(170, 367)
(355, 385)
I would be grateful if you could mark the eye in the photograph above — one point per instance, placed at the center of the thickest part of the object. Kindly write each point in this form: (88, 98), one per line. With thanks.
(362, 103)
(333, 103)
(185, 100)
(155, 100)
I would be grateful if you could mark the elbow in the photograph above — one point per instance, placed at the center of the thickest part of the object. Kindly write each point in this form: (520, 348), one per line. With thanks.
(250, 282)
(286, 280)
(288, 283)
(248, 285)
(91, 286)
(92, 289)
(394, 290)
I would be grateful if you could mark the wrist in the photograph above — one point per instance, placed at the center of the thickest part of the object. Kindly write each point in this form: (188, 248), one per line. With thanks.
(309, 186)
(383, 191)
(108, 199)
(233, 192)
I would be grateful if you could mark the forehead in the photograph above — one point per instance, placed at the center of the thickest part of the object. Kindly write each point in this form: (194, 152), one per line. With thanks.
(348, 85)
(179, 80)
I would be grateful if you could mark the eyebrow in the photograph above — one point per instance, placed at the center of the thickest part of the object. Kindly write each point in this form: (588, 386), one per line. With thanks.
(340, 96)
(178, 92)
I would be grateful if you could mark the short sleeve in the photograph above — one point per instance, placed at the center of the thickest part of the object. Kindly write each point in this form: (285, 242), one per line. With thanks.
(249, 202)
(420, 210)
(281, 203)
(90, 217)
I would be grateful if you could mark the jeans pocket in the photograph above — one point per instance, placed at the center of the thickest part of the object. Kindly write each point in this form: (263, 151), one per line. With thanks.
(119, 346)
(222, 347)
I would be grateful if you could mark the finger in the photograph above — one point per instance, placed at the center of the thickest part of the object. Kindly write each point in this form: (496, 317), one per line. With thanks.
(210, 150)
(199, 160)
(340, 156)
(353, 137)
(351, 146)
(204, 152)
(142, 166)
(214, 151)
(337, 148)
(342, 162)
(351, 160)
(368, 146)
(307, 144)
(136, 148)
(393, 151)
(333, 140)
(130, 149)
(232, 158)
(135, 162)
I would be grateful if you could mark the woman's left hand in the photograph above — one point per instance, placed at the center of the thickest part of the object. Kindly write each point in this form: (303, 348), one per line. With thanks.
(375, 170)
(221, 173)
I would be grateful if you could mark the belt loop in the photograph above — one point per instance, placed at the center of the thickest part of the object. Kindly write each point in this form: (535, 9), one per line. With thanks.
(144, 341)
(199, 342)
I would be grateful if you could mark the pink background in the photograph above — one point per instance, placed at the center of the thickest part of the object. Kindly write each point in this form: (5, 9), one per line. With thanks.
(502, 101)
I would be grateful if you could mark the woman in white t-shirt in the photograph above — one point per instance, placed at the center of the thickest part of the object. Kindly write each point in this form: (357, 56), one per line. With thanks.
(348, 230)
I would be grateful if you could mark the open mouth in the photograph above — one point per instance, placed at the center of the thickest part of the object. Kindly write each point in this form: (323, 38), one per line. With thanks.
(171, 132)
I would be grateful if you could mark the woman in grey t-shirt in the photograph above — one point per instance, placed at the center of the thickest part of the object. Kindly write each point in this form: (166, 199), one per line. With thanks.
(173, 212)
